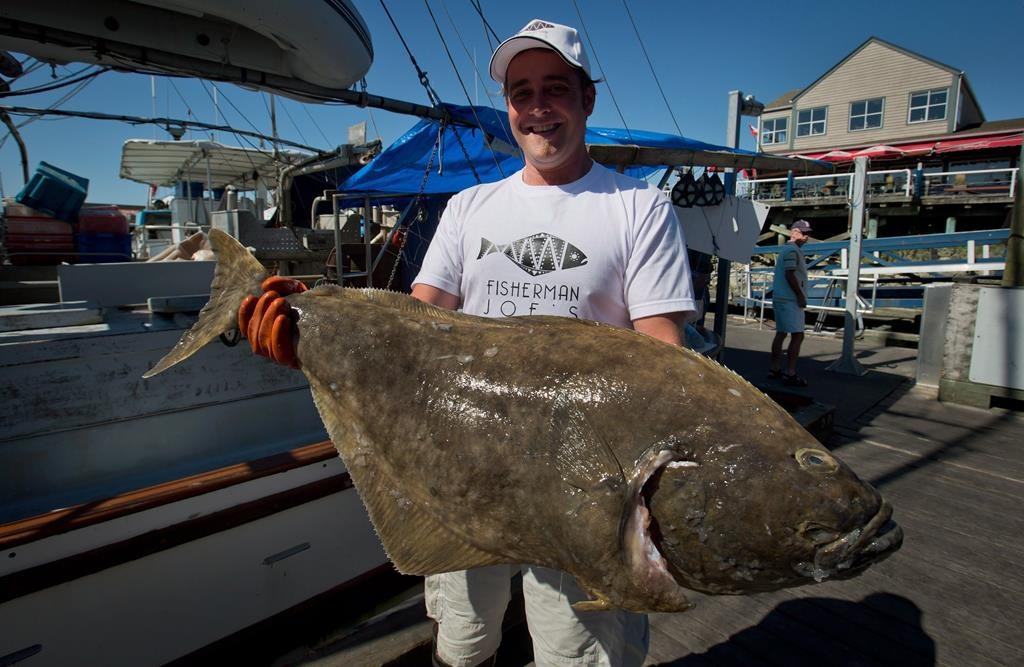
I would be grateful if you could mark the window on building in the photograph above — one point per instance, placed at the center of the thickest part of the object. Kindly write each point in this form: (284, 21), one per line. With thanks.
(866, 114)
(928, 105)
(810, 122)
(774, 131)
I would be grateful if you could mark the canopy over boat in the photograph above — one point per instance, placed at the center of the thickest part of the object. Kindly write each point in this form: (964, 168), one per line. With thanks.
(165, 163)
(278, 46)
(488, 152)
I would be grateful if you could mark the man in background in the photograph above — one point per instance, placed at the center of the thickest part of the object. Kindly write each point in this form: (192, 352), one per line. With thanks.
(789, 300)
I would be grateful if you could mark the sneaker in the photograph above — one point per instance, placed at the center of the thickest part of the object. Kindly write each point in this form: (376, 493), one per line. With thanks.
(793, 381)
(774, 374)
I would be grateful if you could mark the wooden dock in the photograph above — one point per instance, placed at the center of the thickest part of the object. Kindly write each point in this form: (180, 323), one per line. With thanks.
(950, 596)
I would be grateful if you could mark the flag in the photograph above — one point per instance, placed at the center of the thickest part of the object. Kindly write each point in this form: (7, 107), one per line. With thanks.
(753, 130)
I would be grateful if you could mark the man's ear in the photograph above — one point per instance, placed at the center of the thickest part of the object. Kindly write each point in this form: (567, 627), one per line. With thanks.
(589, 98)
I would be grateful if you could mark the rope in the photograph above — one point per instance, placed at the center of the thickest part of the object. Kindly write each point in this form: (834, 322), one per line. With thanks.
(472, 108)
(490, 31)
(586, 34)
(415, 202)
(651, 66)
(434, 99)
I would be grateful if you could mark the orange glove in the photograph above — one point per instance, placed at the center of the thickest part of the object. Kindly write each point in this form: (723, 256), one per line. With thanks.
(267, 323)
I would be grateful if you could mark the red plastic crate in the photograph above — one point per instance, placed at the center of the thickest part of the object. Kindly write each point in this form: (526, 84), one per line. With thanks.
(102, 220)
(39, 240)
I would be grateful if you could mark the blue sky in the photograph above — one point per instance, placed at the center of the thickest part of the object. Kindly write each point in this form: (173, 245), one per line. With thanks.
(699, 50)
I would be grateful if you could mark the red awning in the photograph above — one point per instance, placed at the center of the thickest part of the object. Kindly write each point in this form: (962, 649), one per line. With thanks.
(979, 143)
(881, 152)
(921, 148)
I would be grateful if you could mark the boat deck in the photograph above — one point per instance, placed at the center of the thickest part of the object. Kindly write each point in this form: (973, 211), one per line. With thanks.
(950, 596)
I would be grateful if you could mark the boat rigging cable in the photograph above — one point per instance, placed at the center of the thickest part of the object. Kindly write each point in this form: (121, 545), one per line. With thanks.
(507, 136)
(469, 101)
(55, 86)
(490, 31)
(139, 120)
(651, 66)
(590, 44)
(67, 96)
(245, 118)
(435, 99)
(424, 81)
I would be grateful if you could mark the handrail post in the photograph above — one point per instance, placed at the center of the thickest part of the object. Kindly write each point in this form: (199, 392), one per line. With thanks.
(847, 363)
(789, 185)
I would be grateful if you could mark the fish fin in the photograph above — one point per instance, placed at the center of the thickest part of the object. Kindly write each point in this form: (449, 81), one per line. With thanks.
(237, 275)
(412, 537)
(581, 463)
(414, 540)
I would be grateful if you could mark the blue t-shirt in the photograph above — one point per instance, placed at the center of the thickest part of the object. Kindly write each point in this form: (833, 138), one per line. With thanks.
(791, 258)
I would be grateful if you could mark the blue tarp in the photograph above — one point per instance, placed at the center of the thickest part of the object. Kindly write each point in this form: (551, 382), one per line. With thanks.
(493, 153)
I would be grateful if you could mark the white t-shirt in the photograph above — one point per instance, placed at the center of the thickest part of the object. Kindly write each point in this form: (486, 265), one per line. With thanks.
(606, 247)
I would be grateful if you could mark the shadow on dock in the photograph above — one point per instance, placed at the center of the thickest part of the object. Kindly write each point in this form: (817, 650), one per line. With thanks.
(826, 631)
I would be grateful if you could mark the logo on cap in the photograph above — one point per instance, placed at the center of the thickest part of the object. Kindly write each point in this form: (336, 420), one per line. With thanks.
(537, 24)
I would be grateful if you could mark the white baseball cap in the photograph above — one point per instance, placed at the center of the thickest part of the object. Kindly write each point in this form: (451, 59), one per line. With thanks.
(538, 34)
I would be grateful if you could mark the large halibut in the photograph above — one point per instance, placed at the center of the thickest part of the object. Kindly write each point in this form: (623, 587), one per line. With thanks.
(640, 468)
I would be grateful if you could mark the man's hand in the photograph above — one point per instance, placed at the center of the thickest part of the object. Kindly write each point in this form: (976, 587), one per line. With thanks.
(267, 321)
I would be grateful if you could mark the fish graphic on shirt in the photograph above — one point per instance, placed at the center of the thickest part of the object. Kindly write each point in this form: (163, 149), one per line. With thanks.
(537, 254)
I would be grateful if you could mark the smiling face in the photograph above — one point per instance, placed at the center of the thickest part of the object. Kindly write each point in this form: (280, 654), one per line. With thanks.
(548, 108)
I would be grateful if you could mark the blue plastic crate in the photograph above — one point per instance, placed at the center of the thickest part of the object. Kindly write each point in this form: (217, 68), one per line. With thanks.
(54, 191)
(101, 248)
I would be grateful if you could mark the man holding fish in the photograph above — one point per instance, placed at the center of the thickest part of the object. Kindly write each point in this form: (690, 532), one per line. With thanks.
(567, 237)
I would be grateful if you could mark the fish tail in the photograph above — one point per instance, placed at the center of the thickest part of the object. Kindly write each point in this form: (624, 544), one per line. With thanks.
(486, 248)
(238, 274)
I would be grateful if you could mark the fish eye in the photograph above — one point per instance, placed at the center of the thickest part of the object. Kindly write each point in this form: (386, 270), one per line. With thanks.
(816, 460)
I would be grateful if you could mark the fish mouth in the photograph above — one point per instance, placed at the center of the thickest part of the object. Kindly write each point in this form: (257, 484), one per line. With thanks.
(640, 537)
(853, 552)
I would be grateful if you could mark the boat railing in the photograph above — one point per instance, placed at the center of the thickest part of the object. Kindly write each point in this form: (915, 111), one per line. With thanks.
(149, 240)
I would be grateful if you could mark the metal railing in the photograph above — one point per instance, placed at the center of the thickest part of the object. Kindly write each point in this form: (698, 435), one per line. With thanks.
(997, 183)
(975, 182)
(923, 257)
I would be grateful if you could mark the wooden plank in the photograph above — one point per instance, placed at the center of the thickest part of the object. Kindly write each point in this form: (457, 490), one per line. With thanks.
(177, 304)
(974, 492)
(49, 315)
(119, 284)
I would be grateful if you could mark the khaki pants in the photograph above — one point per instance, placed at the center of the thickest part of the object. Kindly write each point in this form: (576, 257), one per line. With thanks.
(469, 606)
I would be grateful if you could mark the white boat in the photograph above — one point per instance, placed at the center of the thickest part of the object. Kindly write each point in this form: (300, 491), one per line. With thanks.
(279, 46)
(142, 520)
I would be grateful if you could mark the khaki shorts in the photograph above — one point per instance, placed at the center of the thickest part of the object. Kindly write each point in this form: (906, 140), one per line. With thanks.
(469, 606)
